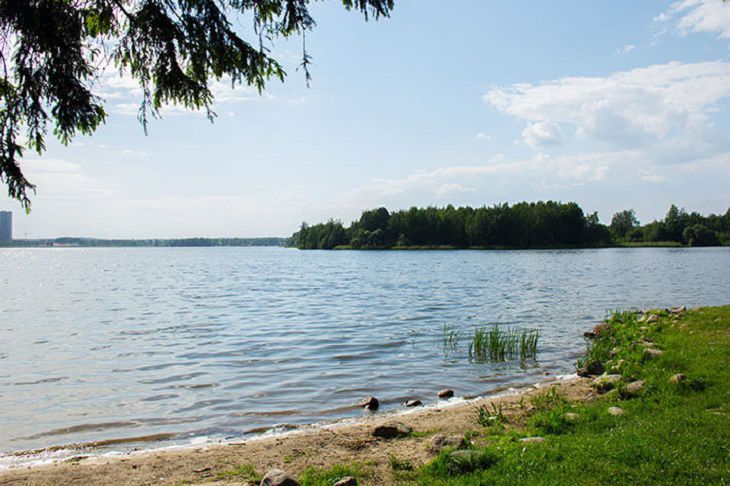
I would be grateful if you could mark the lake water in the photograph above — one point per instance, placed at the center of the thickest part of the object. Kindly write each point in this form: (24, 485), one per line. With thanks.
(102, 344)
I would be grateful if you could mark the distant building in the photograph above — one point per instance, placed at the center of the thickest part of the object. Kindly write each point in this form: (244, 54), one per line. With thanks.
(6, 226)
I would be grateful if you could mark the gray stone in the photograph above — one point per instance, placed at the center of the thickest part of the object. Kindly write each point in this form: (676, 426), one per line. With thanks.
(277, 477)
(650, 353)
(532, 440)
(371, 403)
(346, 481)
(440, 441)
(678, 378)
(414, 403)
(391, 431)
(616, 411)
(571, 417)
(446, 393)
(677, 310)
(634, 388)
(605, 382)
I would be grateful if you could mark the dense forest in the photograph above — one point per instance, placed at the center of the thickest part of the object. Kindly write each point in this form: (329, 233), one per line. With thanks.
(524, 225)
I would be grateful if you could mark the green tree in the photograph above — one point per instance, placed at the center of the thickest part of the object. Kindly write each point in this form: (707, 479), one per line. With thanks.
(52, 51)
(623, 222)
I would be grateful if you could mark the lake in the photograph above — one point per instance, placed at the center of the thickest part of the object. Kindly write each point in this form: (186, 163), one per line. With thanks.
(188, 343)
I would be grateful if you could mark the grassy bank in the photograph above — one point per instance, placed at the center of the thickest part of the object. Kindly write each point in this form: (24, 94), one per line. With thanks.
(675, 429)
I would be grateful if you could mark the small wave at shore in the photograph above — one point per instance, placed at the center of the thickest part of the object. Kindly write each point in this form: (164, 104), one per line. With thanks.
(149, 444)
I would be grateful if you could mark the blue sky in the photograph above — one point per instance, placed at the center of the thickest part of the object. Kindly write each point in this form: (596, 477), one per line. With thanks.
(614, 105)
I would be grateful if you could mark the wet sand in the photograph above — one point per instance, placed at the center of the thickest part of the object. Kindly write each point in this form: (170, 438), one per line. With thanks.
(349, 442)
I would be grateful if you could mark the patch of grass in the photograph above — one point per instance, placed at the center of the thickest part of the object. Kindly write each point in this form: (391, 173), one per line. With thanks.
(673, 433)
(501, 344)
(244, 472)
(457, 463)
(316, 476)
(399, 464)
(493, 418)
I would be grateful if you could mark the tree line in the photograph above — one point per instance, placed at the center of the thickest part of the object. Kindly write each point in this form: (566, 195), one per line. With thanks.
(543, 224)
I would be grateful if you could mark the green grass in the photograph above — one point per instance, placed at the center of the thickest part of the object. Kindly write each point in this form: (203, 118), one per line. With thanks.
(670, 434)
(244, 472)
(315, 476)
(501, 344)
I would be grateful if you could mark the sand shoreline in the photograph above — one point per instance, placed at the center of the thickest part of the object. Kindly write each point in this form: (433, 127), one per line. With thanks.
(344, 441)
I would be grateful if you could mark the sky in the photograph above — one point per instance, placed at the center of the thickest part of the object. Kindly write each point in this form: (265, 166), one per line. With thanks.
(613, 105)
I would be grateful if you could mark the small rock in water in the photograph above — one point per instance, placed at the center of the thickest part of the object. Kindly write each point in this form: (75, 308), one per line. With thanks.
(413, 403)
(446, 393)
(391, 431)
(440, 441)
(678, 378)
(346, 481)
(533, 440)
(634, 388)
(277, 477)
(571, 417)
(371, 403)
(650, 353)
(616, 411)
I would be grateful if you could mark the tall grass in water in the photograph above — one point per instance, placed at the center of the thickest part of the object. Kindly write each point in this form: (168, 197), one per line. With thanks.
(500, 344)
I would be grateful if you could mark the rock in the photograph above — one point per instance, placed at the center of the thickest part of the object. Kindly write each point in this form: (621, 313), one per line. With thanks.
(595, 367)
(616, 411)
(583, 372)
(571, 417)
(678, 310)
(605, 382)
(446, 393)
(650, 353)
(589, 335)
(634, 388)
(371, 403)
(532, 440)
(413, 403)
(616, 365)
(346, 481)
(652, 318)
(466, 455)
(647, 343)
(391, 431)
(678, 378)
(440, 441)
(601, 328)
(277, 477)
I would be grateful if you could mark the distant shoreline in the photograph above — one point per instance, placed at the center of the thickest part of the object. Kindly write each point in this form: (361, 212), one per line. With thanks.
(74, 242)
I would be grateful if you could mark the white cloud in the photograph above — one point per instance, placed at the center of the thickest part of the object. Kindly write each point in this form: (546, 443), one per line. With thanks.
(652, 108)
(692, 16)
(445, 190)
(65, 181)
(127, 95)
(483, 136)
(625, 49)
(542, 134)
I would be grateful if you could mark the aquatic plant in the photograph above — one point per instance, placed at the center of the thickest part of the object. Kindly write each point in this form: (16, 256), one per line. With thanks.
(500, 344)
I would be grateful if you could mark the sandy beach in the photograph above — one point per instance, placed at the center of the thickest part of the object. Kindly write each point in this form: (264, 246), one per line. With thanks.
(349, 442)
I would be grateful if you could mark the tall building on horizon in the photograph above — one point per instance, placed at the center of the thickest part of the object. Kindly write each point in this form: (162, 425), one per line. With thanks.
(6, 225)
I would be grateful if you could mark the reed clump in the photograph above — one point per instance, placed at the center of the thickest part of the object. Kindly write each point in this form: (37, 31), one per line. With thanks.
(503, 343)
